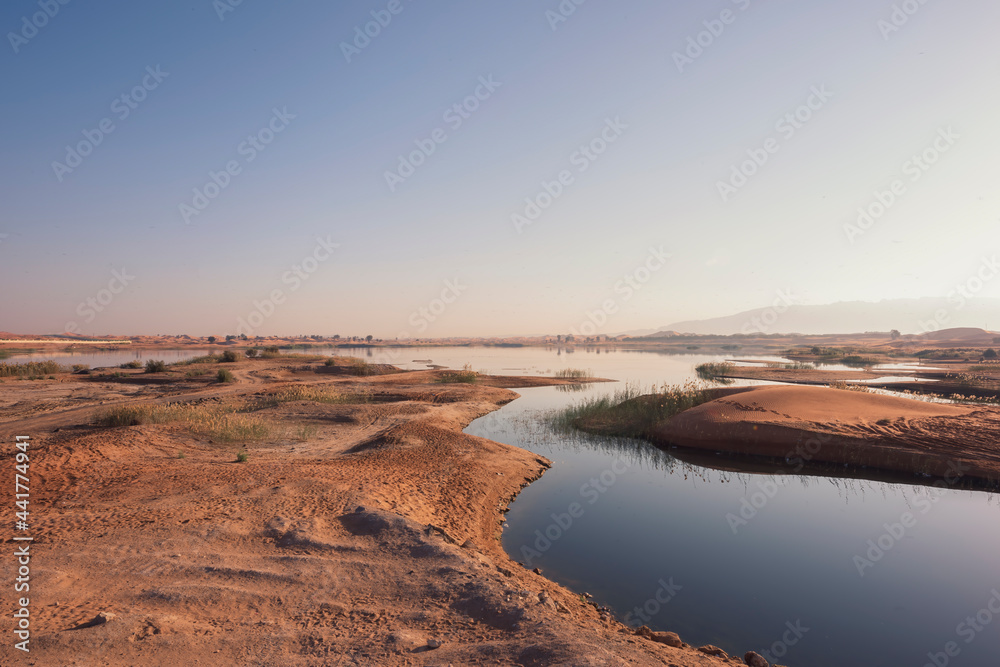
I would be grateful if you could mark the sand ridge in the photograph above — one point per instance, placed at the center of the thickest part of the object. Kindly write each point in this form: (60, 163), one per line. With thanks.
(826, 425)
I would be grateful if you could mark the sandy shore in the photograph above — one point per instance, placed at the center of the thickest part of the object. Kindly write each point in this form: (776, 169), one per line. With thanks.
(365, 532)
(809, 425)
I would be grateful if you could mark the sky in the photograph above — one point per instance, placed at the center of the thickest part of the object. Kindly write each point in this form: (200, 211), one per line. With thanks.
(406, 168)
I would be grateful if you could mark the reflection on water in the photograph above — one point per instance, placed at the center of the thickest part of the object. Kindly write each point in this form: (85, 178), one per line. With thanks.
(571, 388)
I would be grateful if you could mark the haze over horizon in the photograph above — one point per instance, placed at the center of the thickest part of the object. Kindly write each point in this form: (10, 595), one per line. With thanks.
(188, 168)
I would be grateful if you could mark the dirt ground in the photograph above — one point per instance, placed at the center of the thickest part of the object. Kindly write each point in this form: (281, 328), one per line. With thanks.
(362, 532)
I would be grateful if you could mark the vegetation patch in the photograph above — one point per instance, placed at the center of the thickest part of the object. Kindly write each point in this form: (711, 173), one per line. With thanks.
(631, 412)
(715, 372)
(30, 369)
(573, 374)
(221, 423)
(206, 359)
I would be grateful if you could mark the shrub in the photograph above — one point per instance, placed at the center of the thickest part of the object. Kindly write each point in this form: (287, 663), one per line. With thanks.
(229, 356)
(80, 368)
(242, 456)
(156, 366)
(251, 353)
(135, 363)
(224, 376)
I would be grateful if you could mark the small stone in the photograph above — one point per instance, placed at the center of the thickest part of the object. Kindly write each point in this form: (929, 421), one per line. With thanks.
(104, 617)
(434, 643)
(754, 659)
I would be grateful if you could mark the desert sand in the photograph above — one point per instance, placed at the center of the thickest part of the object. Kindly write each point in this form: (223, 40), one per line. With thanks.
(366, 533)
(836, 426)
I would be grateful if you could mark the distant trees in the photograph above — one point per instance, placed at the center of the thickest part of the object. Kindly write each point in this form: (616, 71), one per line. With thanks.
(369, 338)
(894, 334)
(212, 339)
(230, 337)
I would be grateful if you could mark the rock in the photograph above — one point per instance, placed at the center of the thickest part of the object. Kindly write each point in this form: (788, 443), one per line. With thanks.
(754, 659)
(708, 649)
(537, 571)
(668, 638)
(104, 617)
(434, 643)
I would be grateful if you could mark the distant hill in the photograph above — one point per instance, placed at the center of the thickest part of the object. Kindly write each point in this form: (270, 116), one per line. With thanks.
(961, 335)
(909, 316)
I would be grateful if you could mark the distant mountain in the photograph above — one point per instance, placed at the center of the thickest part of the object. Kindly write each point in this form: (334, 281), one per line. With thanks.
(909, 316)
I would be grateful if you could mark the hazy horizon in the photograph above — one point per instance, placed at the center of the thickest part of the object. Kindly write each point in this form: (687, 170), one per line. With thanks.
(186, 169)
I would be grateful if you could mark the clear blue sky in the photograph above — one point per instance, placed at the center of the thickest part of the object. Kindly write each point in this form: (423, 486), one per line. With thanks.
(553, 86)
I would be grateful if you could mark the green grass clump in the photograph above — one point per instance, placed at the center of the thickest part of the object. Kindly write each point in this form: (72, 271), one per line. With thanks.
(242, 456)
(458, 377)
(716, 372)
(224, 376)
(630, 412)
(573, 374)
(30, 369)
(156, 366)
